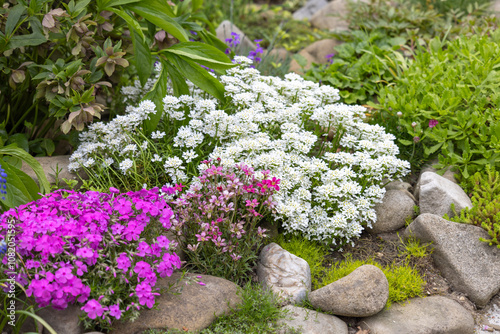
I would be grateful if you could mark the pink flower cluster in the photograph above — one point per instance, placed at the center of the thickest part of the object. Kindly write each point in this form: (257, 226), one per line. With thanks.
(218, 216)
(69, 241)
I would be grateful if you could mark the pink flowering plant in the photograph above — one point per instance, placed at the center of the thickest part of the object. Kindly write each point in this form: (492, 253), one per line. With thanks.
(102, 251)
(217, 218)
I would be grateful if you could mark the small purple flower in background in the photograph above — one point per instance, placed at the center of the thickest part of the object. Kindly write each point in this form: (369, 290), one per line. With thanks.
(254, 55)
(234, 40)
(3, 182)
(329, 58)
(433, 123)
(416, 139)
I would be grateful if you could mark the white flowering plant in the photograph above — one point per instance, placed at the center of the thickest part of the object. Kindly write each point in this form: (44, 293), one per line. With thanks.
(330, 162)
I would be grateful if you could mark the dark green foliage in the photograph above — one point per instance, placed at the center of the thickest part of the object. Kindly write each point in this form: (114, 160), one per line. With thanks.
(457, 84)
(485, 210)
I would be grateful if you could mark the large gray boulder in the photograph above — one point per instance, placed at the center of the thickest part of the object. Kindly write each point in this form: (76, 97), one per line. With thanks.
(431, 315)
(396, 207)
(62, 321)
(194, 309)
(309, 9)
(284, 273)
(224, 31)
(437, 194)
(362, 293)
(311, 322)
(332, 17)
(470, 265)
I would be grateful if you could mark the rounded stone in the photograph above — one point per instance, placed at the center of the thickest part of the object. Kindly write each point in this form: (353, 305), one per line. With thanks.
(362, 293)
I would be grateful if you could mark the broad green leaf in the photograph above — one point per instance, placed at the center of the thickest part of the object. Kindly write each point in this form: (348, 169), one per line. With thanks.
(211, 39)
(432, 149)
(405, 142)
(142, 58)
(17, 152)
(132, 23)
(197, 4)
(80, 6)
(201, 53)
(161, 15)
(13, 18)
(156, 95)
(197, 75)
(33, 39)
(21, 188)
(113, 3)
(20, 140)
(178, 82)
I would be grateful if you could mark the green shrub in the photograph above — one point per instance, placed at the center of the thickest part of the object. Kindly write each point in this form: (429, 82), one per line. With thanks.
(404, 281)
(361, 66)
(485, 211)
(449, 100)
(312, 252)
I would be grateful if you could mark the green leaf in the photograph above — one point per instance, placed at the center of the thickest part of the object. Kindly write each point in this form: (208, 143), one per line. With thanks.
(142, 58)
(211, 39)
(112, 3)
(201, 53)
(13, 18)
(405, 142)
(178, 82)
(17, 152)
(20, 140)
(132, 23)
(21, 188)
(156, 95)
(80, 6)
(197, 75)
(432, 149)
(197, 4)
(161, 15)
(33, 39)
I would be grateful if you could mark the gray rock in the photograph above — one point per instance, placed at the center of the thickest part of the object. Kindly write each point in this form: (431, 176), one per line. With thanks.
(437, 194)
(470, 265)
(284, 273)
(195, 308)
(62, 321)
(397, 185)
(315, 53)
(332, 17)
(224, 31)
(52, 165)
(362, 293)
(312, 322)
(396, 207)
(309, 9)
(432, 315)
(448, 174)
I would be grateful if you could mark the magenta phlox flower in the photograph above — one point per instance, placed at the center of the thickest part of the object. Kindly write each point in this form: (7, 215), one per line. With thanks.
(114, 311)
(94, 309)
(63, 275)
(201, 237)
(252, 203)
(123, 262)
(143, 249)
(117, 228)
(162, 241)
(85, 253)
(142, 269)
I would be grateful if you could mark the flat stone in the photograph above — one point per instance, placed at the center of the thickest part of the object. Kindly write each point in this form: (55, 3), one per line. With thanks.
(284, 273)
(431, 315)
(224, 31)
(52, 165)
(62, 321)
(296, 68)
(195, 308)
(312, 322)
(362, 293)
(397, 185)
(428, 167)
(437, 194)
(396, 207)
(470, 265)
(309, 9)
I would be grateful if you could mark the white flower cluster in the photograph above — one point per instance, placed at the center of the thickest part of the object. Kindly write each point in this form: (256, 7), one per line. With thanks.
(107, 144)
(328, 196)
(133, 94)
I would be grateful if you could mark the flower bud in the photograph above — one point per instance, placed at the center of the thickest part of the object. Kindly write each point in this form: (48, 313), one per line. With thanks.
(414, 124)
